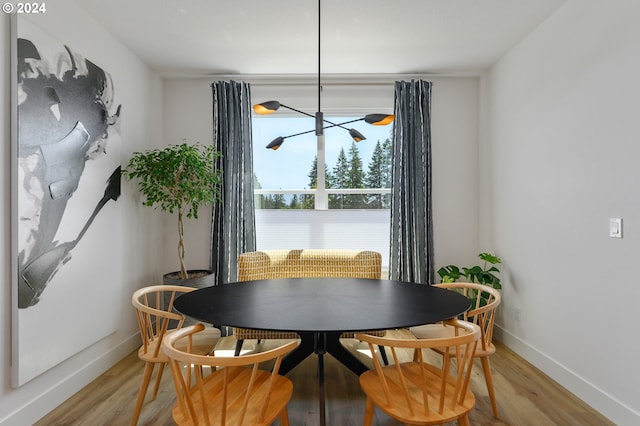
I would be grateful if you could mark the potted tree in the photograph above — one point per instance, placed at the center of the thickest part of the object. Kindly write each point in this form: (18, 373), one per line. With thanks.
(178, 179)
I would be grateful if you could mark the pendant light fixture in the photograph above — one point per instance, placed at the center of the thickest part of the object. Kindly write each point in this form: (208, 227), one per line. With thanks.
(270, 107)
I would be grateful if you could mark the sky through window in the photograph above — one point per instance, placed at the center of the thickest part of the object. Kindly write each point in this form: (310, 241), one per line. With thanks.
(289, 166)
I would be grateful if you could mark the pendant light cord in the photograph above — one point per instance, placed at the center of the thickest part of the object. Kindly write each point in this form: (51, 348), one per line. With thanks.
(319, 84)
(320, 122)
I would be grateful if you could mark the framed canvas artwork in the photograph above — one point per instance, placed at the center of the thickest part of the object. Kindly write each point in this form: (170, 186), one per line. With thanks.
(65, 185)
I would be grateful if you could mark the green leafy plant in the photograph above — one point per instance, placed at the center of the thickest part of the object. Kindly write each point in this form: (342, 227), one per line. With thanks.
(475, 274)
(179, 178)
(486, 274)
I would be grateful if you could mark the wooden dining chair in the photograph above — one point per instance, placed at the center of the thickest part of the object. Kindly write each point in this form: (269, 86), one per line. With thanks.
(485, 301)
(414, 391)
(157, 319)
(226, 391)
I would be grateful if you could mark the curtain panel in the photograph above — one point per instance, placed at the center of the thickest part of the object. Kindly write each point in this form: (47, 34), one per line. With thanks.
(411, 255)
(233, 219)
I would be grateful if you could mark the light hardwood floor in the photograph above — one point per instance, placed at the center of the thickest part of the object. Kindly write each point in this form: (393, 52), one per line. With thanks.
(525, 396)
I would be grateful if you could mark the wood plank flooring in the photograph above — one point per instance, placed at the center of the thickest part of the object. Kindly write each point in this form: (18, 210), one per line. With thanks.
(525, 396)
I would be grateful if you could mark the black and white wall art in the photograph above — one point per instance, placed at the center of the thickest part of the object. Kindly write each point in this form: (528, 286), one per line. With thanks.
(66, 182)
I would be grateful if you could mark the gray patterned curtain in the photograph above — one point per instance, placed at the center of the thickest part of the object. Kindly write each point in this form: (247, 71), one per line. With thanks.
(233, 219)
(411, 254)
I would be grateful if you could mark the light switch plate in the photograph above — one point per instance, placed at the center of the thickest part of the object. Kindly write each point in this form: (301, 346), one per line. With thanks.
(615, 227)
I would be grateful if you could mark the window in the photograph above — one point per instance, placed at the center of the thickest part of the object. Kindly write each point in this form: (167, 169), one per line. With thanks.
(357, 175)
(291, 212)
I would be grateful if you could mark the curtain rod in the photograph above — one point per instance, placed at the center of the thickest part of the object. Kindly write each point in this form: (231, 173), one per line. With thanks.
(327, 79)
(307, 79)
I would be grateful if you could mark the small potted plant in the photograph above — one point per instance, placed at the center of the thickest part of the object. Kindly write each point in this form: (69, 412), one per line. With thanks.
(476, 274)
(178, 179)
(486, 274)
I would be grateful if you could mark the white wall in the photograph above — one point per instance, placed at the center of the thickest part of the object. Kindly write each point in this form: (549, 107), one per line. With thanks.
(564, 146)
(455, 121)
(139, 92)
(188, 114)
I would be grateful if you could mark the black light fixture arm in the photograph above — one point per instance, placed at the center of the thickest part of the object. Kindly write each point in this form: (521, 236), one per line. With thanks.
(298, 111)
(275, 144)
(325, 127)
(272, 106)
(321, 119)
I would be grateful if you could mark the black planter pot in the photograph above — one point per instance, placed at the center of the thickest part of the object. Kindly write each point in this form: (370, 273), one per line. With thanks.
(198, 278)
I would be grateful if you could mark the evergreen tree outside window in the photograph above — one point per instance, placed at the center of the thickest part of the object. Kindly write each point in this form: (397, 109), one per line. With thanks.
(355, 179)
(339, 180)
(378, 176)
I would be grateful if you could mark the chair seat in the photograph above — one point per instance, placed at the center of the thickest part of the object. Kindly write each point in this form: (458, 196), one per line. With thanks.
(204, 343)
(238, 377)
(398, 407)
(437, 331)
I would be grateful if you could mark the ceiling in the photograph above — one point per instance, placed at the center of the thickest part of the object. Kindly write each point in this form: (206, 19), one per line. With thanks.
(276, 37)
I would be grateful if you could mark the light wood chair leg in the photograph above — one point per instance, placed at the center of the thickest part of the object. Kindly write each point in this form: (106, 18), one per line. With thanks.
(368, 412)
(464, 420)
(158, 379)
(284, 417)
(146, 378)
(487, 377)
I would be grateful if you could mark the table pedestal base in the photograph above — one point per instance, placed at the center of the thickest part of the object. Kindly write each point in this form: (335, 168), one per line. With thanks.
(321, 343)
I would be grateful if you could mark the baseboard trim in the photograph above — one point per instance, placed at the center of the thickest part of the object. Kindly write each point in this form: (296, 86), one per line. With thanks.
(599, 400)
(51, 397)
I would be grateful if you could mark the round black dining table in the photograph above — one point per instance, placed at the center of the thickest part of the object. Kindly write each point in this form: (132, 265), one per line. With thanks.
(320, 310)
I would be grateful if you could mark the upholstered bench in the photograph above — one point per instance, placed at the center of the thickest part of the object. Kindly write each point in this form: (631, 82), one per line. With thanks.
(268, 264)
